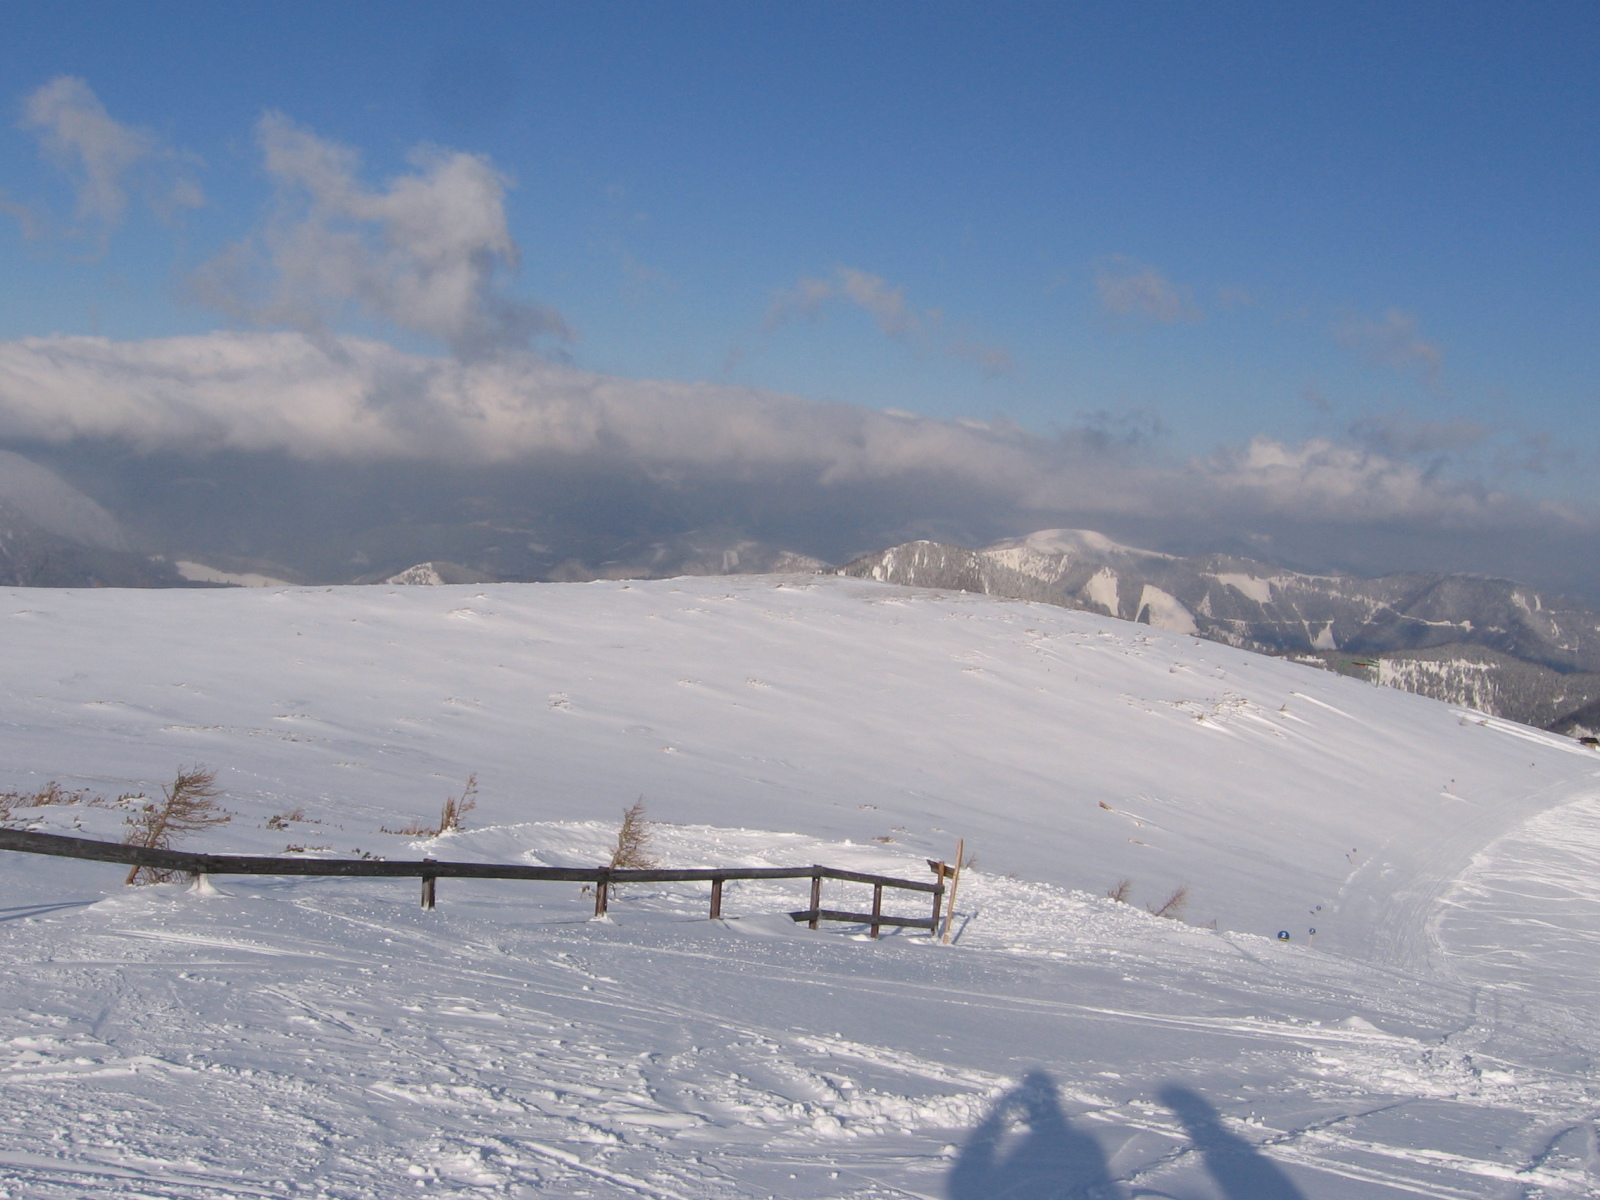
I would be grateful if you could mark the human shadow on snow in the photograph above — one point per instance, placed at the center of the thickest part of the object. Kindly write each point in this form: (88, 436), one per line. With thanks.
(1049, 1159)
(1239, 1169)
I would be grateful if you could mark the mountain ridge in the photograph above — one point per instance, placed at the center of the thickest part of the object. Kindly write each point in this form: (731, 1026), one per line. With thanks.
(1430, 632)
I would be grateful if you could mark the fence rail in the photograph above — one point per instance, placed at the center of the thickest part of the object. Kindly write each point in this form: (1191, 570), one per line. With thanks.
(601, 879)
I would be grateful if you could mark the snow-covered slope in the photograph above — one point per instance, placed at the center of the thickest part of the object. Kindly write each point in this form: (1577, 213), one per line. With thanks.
(326, 1035)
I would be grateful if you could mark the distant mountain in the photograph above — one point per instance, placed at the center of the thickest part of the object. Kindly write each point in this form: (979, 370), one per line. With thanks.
(1582, 722)
(1491, 644)
(1482, 679)
(438, 574)
(697, 553)
(32, 556)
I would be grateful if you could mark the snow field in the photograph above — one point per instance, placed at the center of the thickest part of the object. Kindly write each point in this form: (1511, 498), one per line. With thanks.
(324, 1037)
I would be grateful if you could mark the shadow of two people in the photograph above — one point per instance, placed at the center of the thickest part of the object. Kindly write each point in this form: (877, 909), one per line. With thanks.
(1055, 1161)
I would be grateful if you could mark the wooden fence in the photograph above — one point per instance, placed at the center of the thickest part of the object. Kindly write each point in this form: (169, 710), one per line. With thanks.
(601, 879)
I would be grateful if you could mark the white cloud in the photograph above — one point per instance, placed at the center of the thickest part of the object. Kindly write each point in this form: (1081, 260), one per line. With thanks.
(1397, 434)
(103, 155)
(426, 251)
(870, 293)
(1327, 481)
(1392, 342)
(32, 224)
(1132, 289)
(886, 304)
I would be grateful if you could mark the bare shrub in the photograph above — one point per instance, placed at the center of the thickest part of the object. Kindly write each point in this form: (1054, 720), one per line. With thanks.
(415, 829)
(632, 851)
(283, 820)
(455, 807)
(189, 805)
(1120, 890)
(1172, 907)
(50, 793)
(53, 793)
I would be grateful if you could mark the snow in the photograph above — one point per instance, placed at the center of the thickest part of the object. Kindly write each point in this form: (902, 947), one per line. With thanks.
(1165, 611)
(326, 1037)
(1102, 589)
(200, 573)
(1249, 586)
(1049, 554)
(1077, 542)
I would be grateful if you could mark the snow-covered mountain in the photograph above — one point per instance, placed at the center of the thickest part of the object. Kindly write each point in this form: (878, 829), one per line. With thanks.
(1480, 679)
(33, 556)
(576, 560)
(1246, 603)
(1434, 1037)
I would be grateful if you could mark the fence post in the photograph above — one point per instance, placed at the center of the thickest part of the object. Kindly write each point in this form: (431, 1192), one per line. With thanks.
(428, 887)
(955, 882)
(816, 895)
(877, 906)
(600, 888)
(938, 898)
(716, 899)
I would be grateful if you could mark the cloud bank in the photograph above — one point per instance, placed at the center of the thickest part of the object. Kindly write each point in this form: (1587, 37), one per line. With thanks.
(286, 393)
(317, 452)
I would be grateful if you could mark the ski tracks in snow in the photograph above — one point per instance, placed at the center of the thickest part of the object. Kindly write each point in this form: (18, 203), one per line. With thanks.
(503, 1049)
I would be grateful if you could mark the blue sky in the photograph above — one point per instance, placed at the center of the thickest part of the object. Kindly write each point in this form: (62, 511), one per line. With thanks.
(1186, 226)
